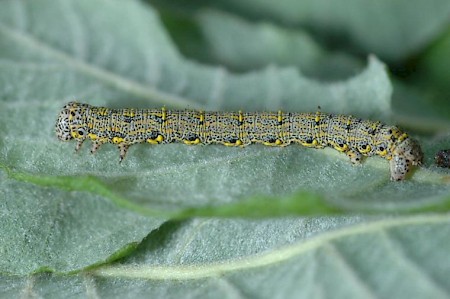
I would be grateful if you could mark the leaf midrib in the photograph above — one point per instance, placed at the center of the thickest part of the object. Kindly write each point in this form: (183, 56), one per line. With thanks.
(180, 272)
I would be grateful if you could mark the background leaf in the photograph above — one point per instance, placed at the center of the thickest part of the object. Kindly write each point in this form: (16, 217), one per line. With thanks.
(67, 212)
(394, 30)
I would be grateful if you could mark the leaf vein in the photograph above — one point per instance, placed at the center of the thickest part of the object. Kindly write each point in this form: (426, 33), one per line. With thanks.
(115, 80)
(182, 272)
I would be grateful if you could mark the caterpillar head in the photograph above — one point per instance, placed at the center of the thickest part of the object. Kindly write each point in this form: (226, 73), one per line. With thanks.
(406, 153)
(69, 124)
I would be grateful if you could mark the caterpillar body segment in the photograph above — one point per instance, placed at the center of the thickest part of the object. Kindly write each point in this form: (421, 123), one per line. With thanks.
(347, 134)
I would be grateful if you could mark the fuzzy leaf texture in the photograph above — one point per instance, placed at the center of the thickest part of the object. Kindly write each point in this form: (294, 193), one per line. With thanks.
(163, 223)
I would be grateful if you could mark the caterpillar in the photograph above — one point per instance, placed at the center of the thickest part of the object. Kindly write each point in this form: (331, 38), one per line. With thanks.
(352, 136)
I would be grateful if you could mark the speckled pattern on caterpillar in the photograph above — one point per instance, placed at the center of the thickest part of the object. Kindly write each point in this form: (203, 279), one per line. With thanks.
(347, 134)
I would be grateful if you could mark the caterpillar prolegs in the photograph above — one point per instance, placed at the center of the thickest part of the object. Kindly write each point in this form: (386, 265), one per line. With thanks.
(347, 134)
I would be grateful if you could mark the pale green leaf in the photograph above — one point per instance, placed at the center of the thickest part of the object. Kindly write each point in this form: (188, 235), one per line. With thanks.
(47, 73)
(291, 258)
(225, 34)
(47, 229)
(220, 37)
(64, 212)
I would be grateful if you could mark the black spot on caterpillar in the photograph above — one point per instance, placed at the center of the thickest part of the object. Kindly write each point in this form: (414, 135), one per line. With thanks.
(347, 134)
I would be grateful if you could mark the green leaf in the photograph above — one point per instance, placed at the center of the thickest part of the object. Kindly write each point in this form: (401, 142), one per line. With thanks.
(431, 83)
(66, 212)
(350, 260)
(436, 60)
(220, 35)
(46, 229)
(392, 29)
(47, 73)
(325, 257)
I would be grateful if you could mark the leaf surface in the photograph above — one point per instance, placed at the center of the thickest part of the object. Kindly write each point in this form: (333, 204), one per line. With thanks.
(65, 212)
(375, 259)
